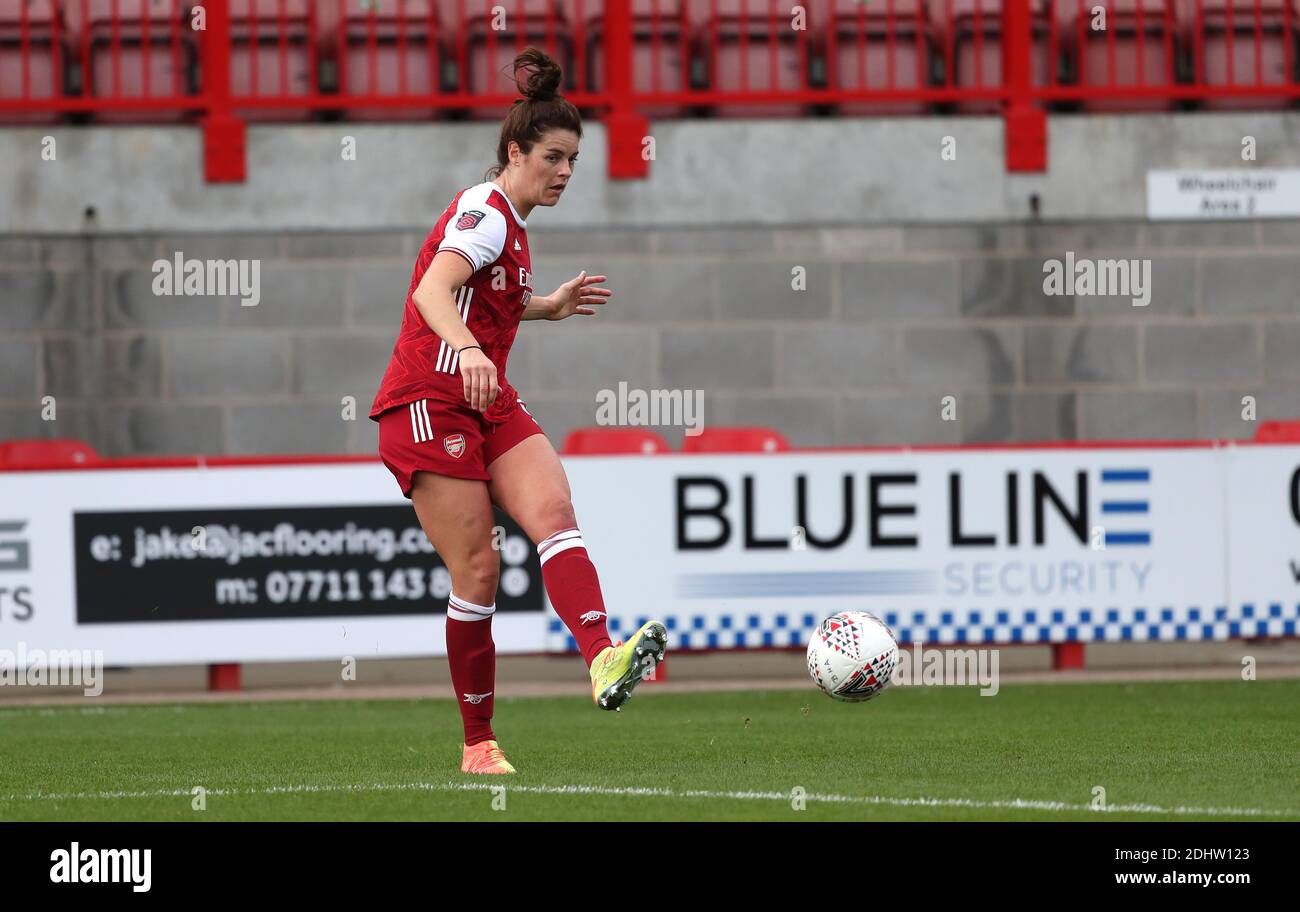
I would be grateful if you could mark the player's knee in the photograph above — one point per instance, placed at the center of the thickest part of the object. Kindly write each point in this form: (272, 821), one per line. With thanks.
(556, 514)
(479, 573)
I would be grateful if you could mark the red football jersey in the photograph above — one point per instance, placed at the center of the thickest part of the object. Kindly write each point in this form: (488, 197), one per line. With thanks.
(482, 225)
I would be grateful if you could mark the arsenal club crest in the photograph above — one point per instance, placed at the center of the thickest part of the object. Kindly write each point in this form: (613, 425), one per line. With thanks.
(469, 218)
(454, 445)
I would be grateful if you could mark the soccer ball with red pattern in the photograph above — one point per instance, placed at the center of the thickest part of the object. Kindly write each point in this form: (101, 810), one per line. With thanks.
(852, 656)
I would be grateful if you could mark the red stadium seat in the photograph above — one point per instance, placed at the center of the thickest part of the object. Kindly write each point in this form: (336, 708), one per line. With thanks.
(1278, 432)
(877, 47)
(36, 72)
(272, 56)
(16, 454)
(1137, 47)
(605, 441)
(392, 50)
(1228, 35)
(147, 51)
(748, 45)
(661, 55)
(736, 440)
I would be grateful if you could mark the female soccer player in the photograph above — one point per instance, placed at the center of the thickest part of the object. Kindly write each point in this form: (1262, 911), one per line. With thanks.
(455, 434)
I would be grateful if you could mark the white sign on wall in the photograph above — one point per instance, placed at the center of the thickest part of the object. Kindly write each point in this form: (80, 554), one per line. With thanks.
(1237, 194)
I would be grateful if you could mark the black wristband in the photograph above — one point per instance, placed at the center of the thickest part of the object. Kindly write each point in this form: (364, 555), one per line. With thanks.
(459, 350)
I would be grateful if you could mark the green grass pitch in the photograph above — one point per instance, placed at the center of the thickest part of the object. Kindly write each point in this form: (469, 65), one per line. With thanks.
(1174, 750)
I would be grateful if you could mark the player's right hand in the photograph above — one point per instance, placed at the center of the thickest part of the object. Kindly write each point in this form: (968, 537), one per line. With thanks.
(480, 378)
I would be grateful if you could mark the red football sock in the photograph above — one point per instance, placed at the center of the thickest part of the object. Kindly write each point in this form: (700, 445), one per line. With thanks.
(473, 659)
(571, 582)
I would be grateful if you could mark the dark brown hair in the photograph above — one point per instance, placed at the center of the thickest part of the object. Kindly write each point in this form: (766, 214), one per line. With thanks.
(542, 108)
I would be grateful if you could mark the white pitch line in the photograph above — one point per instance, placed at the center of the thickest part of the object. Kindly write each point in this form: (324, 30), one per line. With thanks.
(648, 791)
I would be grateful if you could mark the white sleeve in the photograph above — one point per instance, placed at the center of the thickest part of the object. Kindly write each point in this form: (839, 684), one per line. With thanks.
(476, 232)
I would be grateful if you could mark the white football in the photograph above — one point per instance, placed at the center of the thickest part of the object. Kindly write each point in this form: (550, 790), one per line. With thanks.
(852, 656)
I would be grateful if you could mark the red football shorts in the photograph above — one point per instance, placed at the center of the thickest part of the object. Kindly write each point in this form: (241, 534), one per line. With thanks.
(447, 438)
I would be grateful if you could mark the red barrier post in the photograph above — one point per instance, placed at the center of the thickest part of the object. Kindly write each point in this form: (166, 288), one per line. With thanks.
(1025, 122)
(627, 128)
(1067, 656)
(223, 677)
(223, 133)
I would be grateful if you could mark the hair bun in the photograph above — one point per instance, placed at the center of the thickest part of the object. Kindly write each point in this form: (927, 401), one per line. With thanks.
(544, 75)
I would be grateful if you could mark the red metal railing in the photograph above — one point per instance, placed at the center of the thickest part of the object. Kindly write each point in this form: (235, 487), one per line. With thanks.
(225, 62)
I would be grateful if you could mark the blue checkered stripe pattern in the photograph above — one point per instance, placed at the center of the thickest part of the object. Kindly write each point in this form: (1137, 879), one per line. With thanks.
(740, 630)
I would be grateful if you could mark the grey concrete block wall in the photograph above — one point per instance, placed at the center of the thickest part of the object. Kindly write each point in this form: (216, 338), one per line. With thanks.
(884, 323)
(722, 176)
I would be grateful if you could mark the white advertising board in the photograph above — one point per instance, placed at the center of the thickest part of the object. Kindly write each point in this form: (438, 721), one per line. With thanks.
(296, 562)
(997, 545)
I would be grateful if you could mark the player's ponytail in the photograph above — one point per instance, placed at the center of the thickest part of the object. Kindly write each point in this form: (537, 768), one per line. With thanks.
(542, 108)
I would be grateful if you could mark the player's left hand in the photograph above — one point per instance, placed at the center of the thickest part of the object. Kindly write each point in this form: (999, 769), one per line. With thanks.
(578, 295)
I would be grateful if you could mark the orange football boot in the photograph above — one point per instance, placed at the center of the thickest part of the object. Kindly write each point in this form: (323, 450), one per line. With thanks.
(485, 757)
